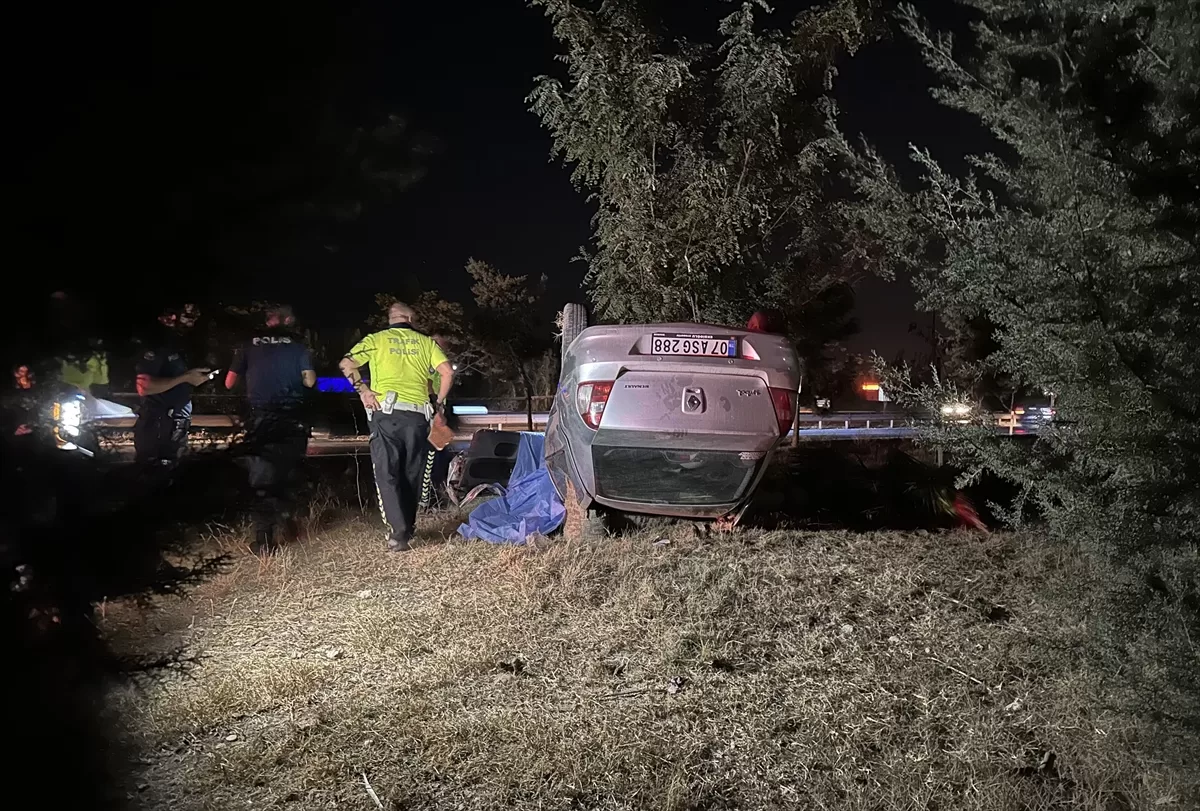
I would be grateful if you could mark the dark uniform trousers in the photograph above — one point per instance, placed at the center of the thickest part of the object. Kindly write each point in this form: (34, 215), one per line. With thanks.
(160, 435)
(399, 450)
(276, 442)
(433, 484)
(434, 488)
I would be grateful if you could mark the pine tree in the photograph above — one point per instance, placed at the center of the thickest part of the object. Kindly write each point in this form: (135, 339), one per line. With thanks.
(1078, 241)
(711, 163)
(511, 339)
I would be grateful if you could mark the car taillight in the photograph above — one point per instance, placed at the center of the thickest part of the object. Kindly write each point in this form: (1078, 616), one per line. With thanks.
(591, 399)
(784, 401)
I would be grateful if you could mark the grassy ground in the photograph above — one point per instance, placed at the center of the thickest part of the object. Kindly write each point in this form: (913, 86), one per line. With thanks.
(754, 670)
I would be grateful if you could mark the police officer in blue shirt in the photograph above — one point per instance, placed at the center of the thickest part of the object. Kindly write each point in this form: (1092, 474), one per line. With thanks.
(279, 370)
(165, 384)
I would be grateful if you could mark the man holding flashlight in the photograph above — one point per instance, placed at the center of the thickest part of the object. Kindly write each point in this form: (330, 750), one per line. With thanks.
(165, 384)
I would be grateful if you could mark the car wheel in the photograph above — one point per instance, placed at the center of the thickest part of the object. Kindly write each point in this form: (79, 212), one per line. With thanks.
(574, 321)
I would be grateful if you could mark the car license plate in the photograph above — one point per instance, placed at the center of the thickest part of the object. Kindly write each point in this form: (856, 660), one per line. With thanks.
(698, 345)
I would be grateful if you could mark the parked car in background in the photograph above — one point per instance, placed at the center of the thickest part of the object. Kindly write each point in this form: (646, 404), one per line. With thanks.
(667, 419)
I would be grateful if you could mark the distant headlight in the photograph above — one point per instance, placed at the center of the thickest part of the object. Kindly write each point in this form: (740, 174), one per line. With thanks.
(956, 410)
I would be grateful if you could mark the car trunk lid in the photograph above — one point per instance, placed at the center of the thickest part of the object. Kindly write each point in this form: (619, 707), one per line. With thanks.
(678, 409)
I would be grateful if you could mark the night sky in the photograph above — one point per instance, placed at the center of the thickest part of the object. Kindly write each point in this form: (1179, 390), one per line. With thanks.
(129, 117)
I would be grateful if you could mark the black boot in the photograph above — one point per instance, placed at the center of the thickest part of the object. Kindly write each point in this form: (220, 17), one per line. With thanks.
(291, 529)
(264, 542)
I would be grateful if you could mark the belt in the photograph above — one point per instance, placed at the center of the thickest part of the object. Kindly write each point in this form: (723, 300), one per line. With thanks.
(389, 404)
(420, 409)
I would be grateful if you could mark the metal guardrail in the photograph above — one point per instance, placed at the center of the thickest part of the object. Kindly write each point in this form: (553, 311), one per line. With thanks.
(117, 438)
(882, 425)
(811, 428)
(467, 422)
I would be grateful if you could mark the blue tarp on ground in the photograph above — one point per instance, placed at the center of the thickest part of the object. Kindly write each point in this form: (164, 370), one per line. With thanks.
(529, 505)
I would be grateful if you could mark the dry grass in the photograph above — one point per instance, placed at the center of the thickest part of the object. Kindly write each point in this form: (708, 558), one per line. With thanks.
(757, 670)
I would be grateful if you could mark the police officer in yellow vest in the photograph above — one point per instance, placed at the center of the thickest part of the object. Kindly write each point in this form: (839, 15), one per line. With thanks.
(82, 361)
(88, 373)
(397, 404)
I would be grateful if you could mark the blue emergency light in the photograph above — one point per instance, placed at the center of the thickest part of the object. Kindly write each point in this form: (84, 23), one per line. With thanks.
(335, 384)
(340, 385)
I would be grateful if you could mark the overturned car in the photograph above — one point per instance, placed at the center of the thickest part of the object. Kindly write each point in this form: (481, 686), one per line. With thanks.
(667, 419)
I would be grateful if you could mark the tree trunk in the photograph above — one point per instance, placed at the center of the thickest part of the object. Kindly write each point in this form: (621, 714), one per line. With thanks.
(936, 343)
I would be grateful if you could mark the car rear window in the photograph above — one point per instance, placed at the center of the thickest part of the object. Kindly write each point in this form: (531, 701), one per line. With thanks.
(689, 478)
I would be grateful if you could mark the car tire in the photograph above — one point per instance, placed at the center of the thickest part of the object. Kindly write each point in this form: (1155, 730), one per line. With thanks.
(574, 321)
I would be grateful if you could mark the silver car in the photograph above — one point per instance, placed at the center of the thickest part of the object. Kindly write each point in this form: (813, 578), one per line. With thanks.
(668, 419)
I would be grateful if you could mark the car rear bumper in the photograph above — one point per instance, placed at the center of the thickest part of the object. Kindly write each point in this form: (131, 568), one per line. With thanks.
(589, 492)
(670, 510)
(679, 440)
